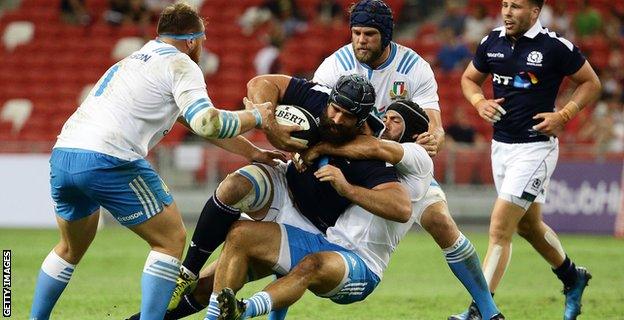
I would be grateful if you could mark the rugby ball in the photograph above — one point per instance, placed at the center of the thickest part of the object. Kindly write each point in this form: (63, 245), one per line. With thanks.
(293, 115)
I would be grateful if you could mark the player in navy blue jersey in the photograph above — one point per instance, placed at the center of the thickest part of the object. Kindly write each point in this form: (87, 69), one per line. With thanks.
(274, 193)
(527, 63)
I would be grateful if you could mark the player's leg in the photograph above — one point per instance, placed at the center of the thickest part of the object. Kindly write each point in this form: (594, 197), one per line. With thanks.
(165, 234)
(247, 242)
(77, 218)
(459, 253)
(249, 190)
(58, 266)
(545, 241)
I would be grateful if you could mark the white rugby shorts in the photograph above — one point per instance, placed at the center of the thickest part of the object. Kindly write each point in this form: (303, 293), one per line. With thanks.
(434, 194)
(524, 169)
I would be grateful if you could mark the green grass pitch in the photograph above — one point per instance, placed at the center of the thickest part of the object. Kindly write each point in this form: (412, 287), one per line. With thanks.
(417, 285)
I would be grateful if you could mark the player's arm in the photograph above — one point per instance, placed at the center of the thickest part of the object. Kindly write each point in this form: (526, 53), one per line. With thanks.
(388, 200)
(471, 81)
(362, 147)
(433, 139)
(587, 92)
(189, 92)
(241, 146)
(271, 88)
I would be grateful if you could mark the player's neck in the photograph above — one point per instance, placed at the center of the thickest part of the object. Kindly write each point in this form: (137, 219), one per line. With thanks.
(178, 44)
(384, 56)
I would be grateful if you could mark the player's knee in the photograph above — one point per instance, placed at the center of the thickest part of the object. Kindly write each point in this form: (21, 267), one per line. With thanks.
(71, 254)
(233, 188)
(436, 222)
(500, 235)
(525, 228)
(309, 266)
(239, 232)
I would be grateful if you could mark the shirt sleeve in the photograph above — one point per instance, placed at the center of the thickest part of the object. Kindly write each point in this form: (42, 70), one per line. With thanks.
(425, 88)
(188, 88)
(415, 169)
(480, 60)
(327, 73)
(375, 172)
(306, 94)
(569, 57)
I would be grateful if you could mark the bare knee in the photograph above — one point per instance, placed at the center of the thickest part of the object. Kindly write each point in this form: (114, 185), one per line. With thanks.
(309, 266)
(440, 226)
(233, 189)
(525, 228)
(70, 253)
(239, 232)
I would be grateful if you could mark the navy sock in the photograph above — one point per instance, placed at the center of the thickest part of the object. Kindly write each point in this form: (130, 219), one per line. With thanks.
(214, 223)
(566, 272)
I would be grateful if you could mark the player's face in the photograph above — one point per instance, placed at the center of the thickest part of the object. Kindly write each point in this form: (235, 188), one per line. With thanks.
(518, 16)
(366, 43)
(394, 126)
(196, 47)
(337, 125)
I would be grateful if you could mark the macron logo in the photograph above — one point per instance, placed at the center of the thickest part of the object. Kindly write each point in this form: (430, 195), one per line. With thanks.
(495, 55)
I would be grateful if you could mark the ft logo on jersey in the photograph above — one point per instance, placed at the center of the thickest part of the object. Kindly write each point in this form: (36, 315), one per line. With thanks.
(398, 91)
(498, 79)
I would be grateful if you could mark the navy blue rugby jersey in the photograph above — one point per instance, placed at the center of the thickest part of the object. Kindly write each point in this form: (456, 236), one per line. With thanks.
(319, 201)
(527, 74)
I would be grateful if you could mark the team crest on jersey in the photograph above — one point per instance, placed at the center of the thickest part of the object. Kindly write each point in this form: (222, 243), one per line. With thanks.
(535, 59)
(398, 91)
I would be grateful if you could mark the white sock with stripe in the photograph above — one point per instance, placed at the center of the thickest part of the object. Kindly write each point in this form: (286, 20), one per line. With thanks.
(258, 304)
(53, 277)
(157, 283)
(213, 308)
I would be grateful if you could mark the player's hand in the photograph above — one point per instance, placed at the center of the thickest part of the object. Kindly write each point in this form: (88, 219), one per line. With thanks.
(551, 125)
(312, 153)
(429, 142)
(279, 135)
(491, 110)
(268, 157)
(266, 110)
(334, 176)
(297, 161)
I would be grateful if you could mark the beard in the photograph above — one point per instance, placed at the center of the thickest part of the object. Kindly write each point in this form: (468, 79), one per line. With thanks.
(372, 55)
(335, 134)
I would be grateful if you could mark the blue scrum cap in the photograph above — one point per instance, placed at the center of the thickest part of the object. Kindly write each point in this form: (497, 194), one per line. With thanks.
(374, 14)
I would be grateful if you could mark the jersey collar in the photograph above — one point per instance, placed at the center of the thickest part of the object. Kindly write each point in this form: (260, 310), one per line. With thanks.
(531, 33)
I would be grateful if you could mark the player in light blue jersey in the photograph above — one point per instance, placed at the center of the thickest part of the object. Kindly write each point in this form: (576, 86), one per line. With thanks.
(98, 159)
(397, 72)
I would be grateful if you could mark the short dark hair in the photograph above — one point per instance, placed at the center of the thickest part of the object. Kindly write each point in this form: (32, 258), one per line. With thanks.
(179, 18)
(539, 3)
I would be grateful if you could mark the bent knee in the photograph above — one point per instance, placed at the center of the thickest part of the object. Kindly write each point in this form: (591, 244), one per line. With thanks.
(239, 231)
(233, 189)
(309, 265)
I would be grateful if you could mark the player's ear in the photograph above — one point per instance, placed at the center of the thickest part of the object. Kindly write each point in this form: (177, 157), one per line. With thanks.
(190, 43)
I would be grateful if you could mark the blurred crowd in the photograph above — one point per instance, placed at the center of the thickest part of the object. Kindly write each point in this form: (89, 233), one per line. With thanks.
(452, 28)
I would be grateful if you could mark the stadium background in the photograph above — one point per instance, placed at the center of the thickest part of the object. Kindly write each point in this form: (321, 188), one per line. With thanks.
(52, 56)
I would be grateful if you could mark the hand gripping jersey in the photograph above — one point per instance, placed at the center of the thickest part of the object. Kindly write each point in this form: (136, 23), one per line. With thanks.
(405, 75)
(374, 238)
(136, 102)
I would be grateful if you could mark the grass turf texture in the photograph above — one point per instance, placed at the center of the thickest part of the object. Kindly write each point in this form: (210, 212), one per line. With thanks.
(417, 285)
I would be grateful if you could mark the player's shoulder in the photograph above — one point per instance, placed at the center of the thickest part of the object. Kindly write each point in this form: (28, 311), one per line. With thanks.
(344, 58)
(493, 35)
(409, 61)
(551, 38)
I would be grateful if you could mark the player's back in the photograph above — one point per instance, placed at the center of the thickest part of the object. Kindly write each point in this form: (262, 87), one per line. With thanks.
(132, 106)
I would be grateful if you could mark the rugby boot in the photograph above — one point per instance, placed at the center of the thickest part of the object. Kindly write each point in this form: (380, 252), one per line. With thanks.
(471, 314)
(230, 308)
(498, 316)
(574, 293)
(183, 286)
